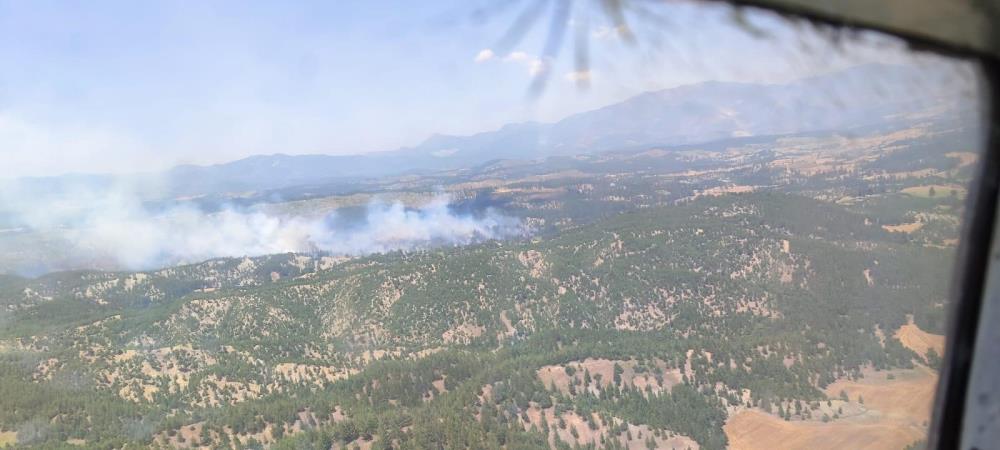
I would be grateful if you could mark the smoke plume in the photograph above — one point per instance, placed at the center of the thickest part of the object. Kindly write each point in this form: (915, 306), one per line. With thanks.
(115, 227)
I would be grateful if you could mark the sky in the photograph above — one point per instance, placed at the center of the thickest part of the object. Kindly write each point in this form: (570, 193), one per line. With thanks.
(125, 86)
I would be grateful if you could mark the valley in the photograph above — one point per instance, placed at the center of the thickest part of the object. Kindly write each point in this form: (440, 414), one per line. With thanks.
(786, 291)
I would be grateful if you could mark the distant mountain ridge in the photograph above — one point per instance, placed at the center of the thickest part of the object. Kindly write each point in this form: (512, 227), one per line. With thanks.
(866, 95)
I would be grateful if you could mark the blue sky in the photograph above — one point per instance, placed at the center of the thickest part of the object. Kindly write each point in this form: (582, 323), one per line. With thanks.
(125, 86)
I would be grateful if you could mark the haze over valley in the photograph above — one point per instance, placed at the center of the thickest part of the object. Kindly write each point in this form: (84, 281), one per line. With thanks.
(191, 213)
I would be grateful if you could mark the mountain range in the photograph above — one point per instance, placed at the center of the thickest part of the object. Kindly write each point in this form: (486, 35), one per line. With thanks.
(865, 96)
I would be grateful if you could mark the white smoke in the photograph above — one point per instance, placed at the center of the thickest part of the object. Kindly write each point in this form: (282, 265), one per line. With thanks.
(186, 234)
(114, 225)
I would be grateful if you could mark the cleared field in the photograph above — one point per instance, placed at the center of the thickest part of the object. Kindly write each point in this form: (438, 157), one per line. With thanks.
(8, 438)
(903, 227)
(920, 341)
(894, 415)
(940, 191)
(758, 430)
(964, 158)
(905, 400)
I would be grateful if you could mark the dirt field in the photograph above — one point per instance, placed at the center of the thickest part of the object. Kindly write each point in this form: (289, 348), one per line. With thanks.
(964, 158)
(940, 191)
(905, 400)
(8, 438)
(920, 341)
(903, 227)
(893, 415)
(758, 430)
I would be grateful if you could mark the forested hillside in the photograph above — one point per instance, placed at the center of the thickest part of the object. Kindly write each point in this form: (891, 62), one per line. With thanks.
(661, 292)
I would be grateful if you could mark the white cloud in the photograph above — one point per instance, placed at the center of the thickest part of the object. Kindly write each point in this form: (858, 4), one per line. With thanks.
(535, 65)
(579, 76)
(484, 55)
(517, 56)
(538, 67)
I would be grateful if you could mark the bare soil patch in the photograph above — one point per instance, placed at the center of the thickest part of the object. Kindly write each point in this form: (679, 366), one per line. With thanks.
(940, 190)
(920, 341)
(964, 158)
(903, 227)
(894, 414)
(905, 400)
(752, 430)
(8, 438)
